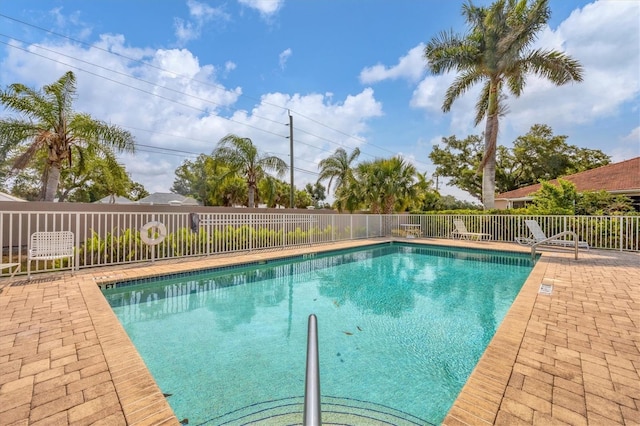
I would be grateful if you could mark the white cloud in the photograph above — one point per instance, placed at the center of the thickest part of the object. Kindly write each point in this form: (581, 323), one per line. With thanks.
(185, 30)
(603, 36)
(429, 95)
(201, 14)
(430, 92)
(284, 57)
(267, 8)
(229, 66)
(177, 103)
(633, 137)
(629, 148)
(410, 67)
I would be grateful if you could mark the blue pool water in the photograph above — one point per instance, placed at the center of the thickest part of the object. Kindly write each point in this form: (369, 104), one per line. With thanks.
(400, 328)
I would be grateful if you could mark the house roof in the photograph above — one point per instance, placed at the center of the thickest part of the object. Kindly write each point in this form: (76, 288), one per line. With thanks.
(168, 198)
(8, 197)
(116, 200)
(623, 177)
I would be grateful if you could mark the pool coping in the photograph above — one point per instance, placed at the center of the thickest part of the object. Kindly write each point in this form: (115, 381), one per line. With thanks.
(84, 348)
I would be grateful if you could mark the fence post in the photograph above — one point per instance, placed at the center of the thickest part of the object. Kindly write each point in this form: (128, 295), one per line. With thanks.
(76, 260)
(366, 221)
(250, 233)
(333, 227)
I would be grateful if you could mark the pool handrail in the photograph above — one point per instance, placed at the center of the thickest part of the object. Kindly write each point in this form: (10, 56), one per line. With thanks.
(554, 238)
(312, 412)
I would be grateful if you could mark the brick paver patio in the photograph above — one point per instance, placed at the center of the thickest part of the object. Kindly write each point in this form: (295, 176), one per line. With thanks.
(569, 357)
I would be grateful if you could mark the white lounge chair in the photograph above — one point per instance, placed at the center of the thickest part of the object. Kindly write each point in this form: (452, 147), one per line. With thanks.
(538, 235)
(462, 233)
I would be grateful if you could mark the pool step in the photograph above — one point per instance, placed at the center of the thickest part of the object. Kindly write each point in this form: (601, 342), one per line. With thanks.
(337, 411)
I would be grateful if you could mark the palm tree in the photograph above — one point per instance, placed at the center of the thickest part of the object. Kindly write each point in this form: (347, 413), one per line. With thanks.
(349, 196)
(338, 166)
(242, 157)
(49, 124)
(497, 51)
(272, 191)
(388, 185)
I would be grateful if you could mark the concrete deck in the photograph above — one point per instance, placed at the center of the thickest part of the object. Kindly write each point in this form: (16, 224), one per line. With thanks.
(570, 357)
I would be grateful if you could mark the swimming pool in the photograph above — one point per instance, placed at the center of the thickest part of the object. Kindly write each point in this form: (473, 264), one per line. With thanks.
(400, 326)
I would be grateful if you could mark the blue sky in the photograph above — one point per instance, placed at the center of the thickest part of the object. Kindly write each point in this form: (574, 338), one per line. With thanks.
(180, 75)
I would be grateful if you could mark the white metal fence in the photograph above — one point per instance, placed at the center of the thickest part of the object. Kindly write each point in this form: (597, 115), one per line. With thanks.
(114, 238)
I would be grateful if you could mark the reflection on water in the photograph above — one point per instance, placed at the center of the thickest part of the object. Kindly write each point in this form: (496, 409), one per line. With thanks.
(398, 325)
(170, 296)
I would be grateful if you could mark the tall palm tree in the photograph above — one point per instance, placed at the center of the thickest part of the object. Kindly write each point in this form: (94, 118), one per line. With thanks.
(338, 167)
(242, 157)
(497, 51)
(49, 123)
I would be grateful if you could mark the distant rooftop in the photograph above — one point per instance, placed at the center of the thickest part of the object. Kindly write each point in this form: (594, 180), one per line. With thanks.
(8, 197)
(169, 198)
(114, 200)
(616, 178)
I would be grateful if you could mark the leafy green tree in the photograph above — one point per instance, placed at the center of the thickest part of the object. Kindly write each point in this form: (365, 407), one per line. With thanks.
(349, 196)
(459, 160)
(234, 191)
(541, 155)
(186, 176)
(426, 197)
(137, 191)
(554, 199)
(303, 199)
(597, 203)
(317, 193)
(26, 184)
(49, 124)
(243, 158)
(273, 192)
(338, 167)
(497, 51)
(97, 176)
(201, 179)
(538, 155)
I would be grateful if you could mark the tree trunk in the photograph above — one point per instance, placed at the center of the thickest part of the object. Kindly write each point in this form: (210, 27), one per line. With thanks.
(489, 183)
(251, 196)
(490, 143)
(51, 184)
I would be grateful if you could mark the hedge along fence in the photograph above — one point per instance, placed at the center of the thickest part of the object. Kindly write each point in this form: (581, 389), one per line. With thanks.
(127, 246)
(611, 232)
(114, 238)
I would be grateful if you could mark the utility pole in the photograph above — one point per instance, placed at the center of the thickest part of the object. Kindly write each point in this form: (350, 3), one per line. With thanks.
(292, 203)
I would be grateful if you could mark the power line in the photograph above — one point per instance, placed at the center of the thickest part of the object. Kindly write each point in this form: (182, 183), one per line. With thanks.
(137, 88)
(216, 86)
(153, 94)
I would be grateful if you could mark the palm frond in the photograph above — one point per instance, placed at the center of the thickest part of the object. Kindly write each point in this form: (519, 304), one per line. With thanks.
(483, 103)
(460, 85)
(448, 51)
(553, 65)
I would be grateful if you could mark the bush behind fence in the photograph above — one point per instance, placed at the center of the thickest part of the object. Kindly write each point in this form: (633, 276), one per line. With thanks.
(110, 238)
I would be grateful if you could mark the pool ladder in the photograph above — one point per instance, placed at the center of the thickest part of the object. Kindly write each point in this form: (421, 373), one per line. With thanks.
(312, 415)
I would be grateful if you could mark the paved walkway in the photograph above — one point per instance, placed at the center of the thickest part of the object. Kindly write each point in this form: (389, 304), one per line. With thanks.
(569, 357)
